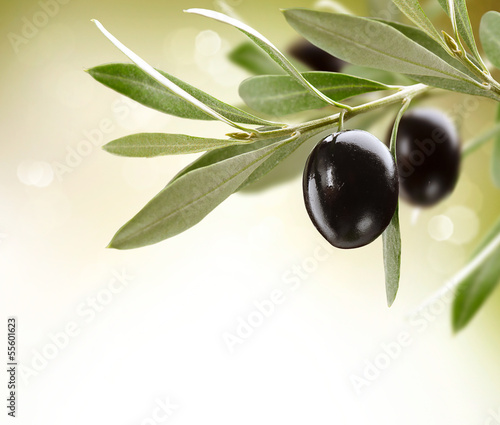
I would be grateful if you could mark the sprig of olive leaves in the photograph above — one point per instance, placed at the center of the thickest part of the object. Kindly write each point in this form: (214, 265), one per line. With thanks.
(422, 53)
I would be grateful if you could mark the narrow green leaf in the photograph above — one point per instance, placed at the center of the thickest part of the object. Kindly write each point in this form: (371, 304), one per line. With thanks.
(261, 41)
(391, 238)
(253, 59)
(188, 199)
(463, 24)
(495, 158)
(282, 95)
(413, 10)
(384, 77)
(489, 33)
(367, 42)
(477, 286)
(420, 37)
(270, 163)
(455, 85)
(165, 82)
(147, 145)
(131, 81)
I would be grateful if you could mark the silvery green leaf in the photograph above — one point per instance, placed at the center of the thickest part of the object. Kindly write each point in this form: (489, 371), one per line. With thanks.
(282, 95)
(463, 24)
(270, 163)
(166, 82)
(457, 86)
(391, 238)
(268, 47)
(147, 145)
(186, 200)
(413, 10)
(367, 42)
(430, 44)
(131, 81)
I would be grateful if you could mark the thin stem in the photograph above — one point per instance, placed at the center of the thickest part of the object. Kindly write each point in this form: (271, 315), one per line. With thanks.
(341, 121)
(480, 140)
(410, 91)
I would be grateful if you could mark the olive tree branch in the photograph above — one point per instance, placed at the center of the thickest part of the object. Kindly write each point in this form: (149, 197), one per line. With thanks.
(401, 95)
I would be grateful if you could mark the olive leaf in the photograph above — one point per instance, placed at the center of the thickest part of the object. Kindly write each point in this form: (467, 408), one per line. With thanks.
(166, 82)
(456, 86)
(420, 37)
(371, 43)
(489, 33)
(188, 199)
(281, 95)
(147, 145)
(384, 77)
(464, 26)
(391, 238)
(218, 155)
(131, 81)
(476, 286)
(414, 12)
(495, 157)
(424, 40)
(261, 41)
(252, 58)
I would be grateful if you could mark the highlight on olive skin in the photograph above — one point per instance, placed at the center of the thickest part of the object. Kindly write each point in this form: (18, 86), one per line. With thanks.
(428, 156)
(350, 187)
(314, 57)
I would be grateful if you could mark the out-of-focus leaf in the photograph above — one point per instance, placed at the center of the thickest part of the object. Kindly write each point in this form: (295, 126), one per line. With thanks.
(252, 58)
(495, 158)
(473, 291)
(489, 32)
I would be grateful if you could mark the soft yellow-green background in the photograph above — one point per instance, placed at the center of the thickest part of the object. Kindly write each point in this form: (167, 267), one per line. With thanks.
(163, 336)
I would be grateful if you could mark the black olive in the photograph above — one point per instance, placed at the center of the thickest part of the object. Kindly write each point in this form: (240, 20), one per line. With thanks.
(428, 156)
(314, 57)
(350, 188)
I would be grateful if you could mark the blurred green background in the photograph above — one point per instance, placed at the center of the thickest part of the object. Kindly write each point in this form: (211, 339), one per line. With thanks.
(166, 334)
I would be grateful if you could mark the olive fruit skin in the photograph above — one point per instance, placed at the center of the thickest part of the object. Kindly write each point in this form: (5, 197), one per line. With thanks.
(350, 187)
(314, 57)
(428, 156)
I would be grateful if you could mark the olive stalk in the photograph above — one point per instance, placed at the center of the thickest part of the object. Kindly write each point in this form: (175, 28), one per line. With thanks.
(399, 96)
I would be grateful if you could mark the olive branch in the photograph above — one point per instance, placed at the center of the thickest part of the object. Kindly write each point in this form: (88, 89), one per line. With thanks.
(429, 59)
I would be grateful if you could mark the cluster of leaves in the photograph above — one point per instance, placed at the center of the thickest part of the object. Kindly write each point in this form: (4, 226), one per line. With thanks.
(420, 52)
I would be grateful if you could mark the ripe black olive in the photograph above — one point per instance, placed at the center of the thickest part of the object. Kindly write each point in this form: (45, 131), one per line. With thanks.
(350, 188)
(314, 57)
(428, 156)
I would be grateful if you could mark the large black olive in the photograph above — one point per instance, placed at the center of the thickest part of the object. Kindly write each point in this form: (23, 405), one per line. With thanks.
(428, 156)
(350, 188)
(314, 57)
